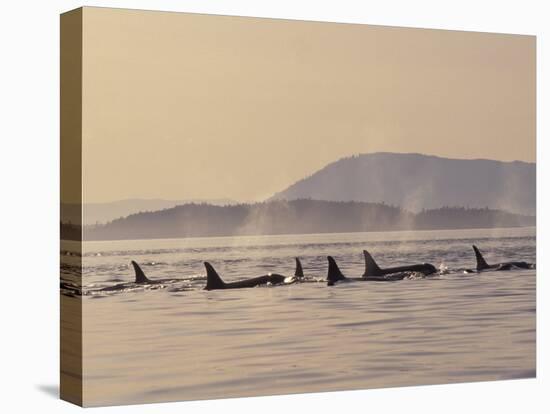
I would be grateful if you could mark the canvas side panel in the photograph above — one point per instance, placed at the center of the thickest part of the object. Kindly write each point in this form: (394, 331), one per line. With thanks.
(71, 207)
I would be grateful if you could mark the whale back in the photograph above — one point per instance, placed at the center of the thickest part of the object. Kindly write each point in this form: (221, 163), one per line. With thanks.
(140, 276)
(299, 272)
(371, 268)
(334, 273)
(481, 263)
(213, 280)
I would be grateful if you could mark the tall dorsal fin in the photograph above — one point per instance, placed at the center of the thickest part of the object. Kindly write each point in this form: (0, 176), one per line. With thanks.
(140, 276)
(481, 263)
(371, 268)
(299, 272)
(334, 273)
(213, 280)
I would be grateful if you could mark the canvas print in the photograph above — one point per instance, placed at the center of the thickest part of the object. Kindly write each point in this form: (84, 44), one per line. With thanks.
(260, 206)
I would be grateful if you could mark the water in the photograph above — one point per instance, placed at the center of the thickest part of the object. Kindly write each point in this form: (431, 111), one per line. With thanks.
(179, 342)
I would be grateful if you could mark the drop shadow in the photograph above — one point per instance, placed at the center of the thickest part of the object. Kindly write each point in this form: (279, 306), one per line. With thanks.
(49, 389)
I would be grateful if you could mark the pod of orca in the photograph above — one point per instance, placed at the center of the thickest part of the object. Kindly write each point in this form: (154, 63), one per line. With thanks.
(372, 273)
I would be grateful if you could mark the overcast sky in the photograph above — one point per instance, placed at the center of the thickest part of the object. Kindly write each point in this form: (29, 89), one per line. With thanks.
(183, 106)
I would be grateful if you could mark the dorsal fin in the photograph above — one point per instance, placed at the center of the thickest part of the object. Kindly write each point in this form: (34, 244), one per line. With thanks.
(299, 272)
(371, 268)
(213, 280)
(140, 276)
(334, 273)
(481, 263)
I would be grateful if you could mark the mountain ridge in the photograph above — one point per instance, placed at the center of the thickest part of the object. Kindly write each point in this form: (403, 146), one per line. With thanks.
(101, 213)
(417, 181)
(290, 217)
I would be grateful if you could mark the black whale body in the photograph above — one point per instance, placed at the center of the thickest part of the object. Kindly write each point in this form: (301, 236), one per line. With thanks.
(140, 280)
(215, 282)
(373, 271)
(482, 265)
(335, 275)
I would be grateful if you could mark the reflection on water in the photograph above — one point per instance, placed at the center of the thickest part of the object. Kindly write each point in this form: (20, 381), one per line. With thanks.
(179, 342)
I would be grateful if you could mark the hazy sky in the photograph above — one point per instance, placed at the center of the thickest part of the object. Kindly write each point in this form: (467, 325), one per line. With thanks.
(182, 106)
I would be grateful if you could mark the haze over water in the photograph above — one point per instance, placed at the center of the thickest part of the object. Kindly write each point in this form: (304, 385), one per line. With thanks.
(177, 341)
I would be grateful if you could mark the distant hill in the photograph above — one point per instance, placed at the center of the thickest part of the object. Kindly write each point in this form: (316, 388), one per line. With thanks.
(290, 217)
(100, 213)
(415, 182)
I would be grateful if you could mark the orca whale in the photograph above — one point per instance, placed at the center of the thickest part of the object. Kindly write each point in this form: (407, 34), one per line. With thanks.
(373, 271)
(140, 279)
(299, 272)
(335, 275)
(483, 265)
(214, 281)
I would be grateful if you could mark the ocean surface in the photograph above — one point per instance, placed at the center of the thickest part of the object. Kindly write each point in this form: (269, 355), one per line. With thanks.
(176, 341)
